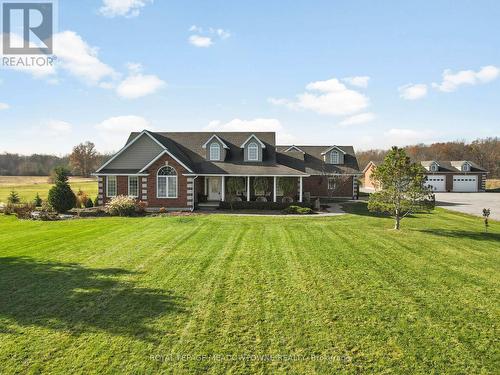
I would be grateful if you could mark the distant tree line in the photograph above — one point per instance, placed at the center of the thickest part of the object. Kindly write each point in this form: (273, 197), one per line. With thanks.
(82, 161)
(485, 152)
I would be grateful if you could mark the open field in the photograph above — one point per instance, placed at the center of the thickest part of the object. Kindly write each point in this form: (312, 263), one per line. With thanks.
(343, 294)
(493, 185)
(28, 186)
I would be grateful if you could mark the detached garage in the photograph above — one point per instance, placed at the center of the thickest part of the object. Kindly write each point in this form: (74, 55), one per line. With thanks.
(455, 176)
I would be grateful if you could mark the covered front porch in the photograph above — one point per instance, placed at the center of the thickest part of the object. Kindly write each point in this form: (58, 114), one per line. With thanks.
(214, 189)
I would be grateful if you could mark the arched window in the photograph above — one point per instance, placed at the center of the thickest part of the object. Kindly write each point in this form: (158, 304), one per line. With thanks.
(253, 151)
(334, 157)
(166, 183)
(465, 167)
(215, 151)
(434, 167)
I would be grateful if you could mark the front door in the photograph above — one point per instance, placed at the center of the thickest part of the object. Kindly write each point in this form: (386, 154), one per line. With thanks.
(214, 188)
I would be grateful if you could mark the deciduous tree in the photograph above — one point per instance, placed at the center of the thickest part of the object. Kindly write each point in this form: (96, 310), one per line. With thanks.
(84, 158)
(401, 185)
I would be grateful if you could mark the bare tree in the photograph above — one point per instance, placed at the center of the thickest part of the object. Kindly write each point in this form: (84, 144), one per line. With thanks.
(83, 159)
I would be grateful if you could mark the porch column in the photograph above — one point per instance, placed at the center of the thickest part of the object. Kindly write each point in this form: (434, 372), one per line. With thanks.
(300, 189)
(223, 189)
(248, 188)
(274, 189)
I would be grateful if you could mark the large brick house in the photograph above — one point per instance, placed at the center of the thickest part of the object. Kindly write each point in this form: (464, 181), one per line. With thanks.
(181, 170)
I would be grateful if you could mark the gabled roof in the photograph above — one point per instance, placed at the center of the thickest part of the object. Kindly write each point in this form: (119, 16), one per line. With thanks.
(187, 149)
(216, 137)
(293, 148)
(451, 166)
(127, 145)
(369, 164)
(256, 138)
(331, 148)
(314, 163)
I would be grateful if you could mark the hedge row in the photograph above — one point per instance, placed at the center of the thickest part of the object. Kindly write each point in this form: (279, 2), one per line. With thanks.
(252, 205)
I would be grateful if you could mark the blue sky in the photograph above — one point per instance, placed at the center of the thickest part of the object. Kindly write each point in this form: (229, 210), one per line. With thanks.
(365, 73)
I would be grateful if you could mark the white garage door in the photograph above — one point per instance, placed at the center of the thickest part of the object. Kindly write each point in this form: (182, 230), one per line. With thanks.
(437, 182)
(464, 183)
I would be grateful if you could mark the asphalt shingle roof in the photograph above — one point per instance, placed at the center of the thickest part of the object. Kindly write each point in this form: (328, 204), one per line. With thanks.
(187, 147)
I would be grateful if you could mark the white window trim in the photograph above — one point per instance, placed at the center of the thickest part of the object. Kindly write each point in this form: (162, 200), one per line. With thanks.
(256, 154)
(138, 187)
(166, 186)
(107, 186)
(434, 167)
(333, 182)
(218, 151)
(332, 153)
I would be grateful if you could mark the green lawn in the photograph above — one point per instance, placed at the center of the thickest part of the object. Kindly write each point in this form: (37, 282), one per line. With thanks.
(118, 295)
(28, 186)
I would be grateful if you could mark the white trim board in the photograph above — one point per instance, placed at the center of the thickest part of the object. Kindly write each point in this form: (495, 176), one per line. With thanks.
(218, 138)
(331, 148)
(133, 141)
(256, 138)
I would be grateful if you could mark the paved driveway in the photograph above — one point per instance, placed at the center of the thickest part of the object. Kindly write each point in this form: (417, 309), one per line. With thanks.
(470, 203)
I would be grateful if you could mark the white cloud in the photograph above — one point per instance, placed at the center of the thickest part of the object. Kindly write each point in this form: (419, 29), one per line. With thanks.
(403, 137)
(359, 81)
(413, 91)
(200, 41)
(452, 81)
(124, 8)
(4, 106)
(137, 85)
(332, 98)
(206, 38)
(47, 131)
(255, 125)
(114, 131)
(74, 56)
(80, 59)
(361, 118)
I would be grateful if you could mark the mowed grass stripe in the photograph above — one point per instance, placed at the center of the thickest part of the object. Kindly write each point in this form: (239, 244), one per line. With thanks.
(111, 292)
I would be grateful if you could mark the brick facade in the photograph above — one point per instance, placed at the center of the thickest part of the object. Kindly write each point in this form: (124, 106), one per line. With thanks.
(182, 181)
(147, 186)
(317, 186)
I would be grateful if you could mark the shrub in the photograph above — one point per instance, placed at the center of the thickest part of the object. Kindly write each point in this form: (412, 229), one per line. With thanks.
(286, 185)
(96, 202)
(261, 184)
(37, 201)
(13, 197)
(81, 199)
(88, 203)
(259, 205)
(21, 210)
(297, 210)
(162, 210)
(61, 197)
(122, 205)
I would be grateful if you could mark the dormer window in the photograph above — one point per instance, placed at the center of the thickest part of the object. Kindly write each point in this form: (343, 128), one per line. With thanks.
(214, 151)
(334, 157)
(465, 167)
(253, 152)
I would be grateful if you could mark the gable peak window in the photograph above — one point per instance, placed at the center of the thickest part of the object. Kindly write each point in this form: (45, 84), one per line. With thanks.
(334, 157)
(465, 167)
(214, 151)
(253, 151)
(434, 167)
(166, 182)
